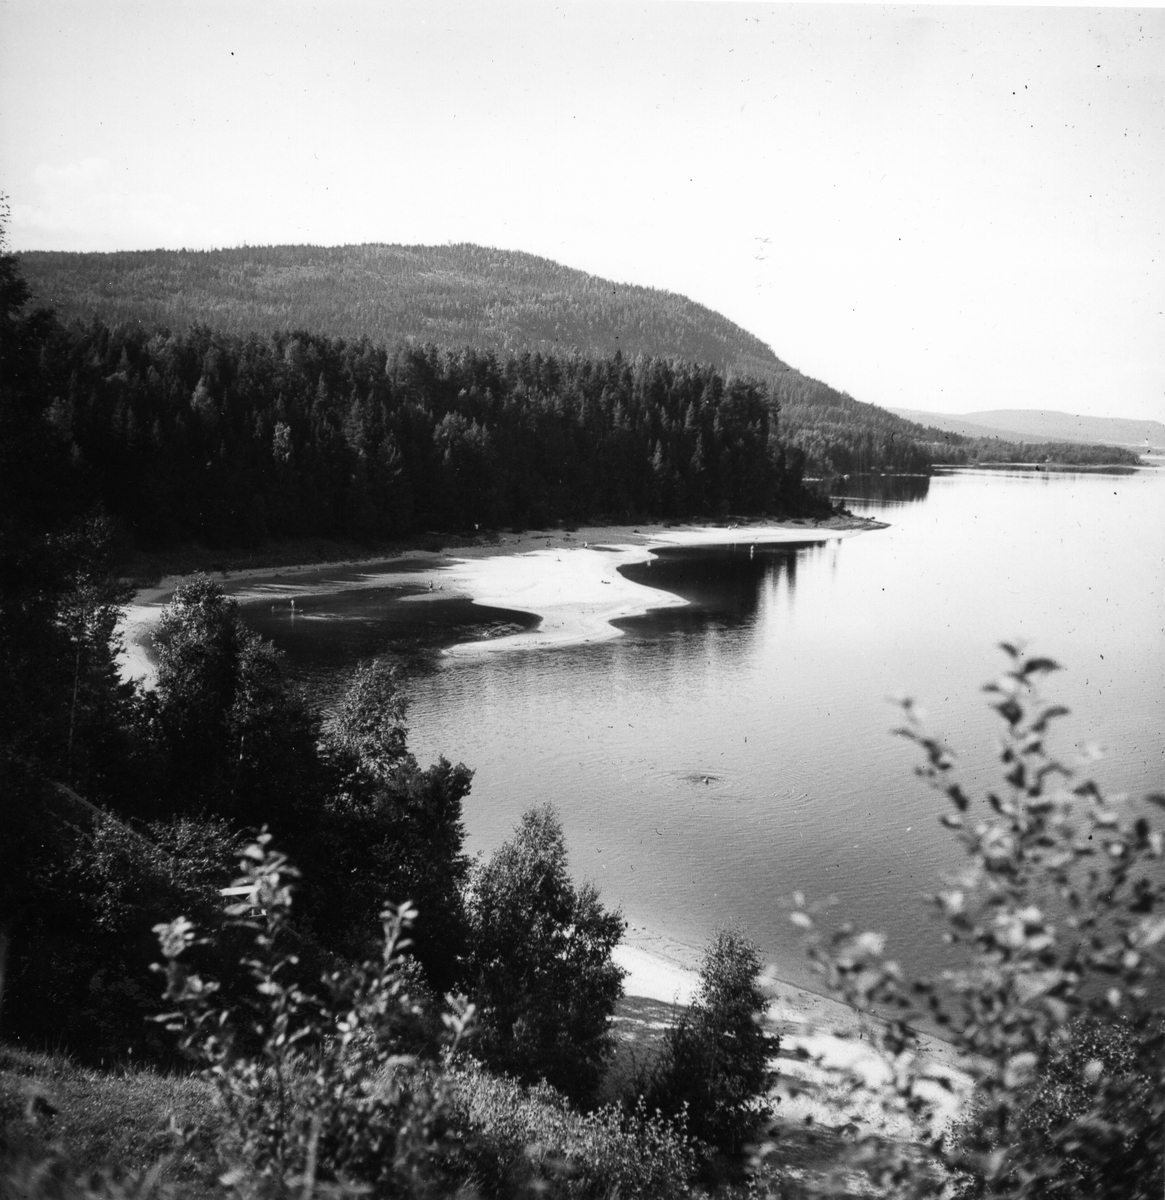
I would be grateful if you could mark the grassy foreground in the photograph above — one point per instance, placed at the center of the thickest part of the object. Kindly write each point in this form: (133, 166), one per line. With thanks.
(69, 1132)
(64, 1126)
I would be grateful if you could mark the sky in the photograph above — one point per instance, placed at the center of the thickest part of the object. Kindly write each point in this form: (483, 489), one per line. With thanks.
(939, 208)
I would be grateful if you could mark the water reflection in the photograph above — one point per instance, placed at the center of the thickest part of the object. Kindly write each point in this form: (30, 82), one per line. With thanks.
(325, 635)
(881, 489)
(726, 585)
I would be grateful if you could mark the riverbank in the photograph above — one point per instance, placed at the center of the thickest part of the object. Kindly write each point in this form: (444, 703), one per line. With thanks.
(567, 580)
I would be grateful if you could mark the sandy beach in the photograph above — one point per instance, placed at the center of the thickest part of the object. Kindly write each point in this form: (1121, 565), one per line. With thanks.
(828, 1070)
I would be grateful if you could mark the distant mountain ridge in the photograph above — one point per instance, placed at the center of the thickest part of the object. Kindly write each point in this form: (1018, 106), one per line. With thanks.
(1044, 425)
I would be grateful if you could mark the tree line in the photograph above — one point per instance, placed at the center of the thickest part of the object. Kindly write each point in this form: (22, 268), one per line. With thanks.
(202, 436)
(841, 435)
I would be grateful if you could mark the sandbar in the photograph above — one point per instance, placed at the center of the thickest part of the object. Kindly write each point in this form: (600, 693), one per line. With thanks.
(569, 580)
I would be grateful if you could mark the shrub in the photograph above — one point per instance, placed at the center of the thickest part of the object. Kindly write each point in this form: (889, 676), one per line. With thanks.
(1057, 1013)
(318, 1086)
(1112, 1160)
(529, 1139)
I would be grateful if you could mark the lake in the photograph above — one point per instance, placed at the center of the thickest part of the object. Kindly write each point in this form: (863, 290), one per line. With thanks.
(720, 756)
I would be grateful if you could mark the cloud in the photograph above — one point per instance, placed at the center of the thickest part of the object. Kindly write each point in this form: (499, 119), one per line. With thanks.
(85, 205)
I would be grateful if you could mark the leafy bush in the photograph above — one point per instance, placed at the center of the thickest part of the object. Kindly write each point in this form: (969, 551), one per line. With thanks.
(715, 1061)
(1057, 1015)
(319, 1087)
(530, 1140)
(539, 963)
(1110, 1160)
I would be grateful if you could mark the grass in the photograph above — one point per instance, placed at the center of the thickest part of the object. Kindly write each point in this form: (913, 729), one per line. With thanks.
(69, 1132)
(80, 1121)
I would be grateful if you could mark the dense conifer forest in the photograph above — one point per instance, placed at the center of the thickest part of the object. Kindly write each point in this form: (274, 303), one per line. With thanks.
(501, 302)
(225, 440)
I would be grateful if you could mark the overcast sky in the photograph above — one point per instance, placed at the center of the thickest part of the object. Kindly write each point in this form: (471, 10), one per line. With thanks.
(938, 208)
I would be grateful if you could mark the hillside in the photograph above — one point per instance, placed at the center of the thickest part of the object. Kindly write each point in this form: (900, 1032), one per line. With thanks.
(501, 301)
(452, 296)
(1044, 425)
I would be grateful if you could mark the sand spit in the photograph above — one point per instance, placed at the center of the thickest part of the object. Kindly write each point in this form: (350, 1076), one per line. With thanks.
(577, 589)
(569, 580)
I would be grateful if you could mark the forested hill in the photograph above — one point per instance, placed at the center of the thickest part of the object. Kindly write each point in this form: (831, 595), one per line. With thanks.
(451, 296)
(464, 295)
(499, 301)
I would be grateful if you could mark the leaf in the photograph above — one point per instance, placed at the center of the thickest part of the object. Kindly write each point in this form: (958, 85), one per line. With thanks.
(1034, 984)
(1020, 1070)
(1152, 931)
(1049, 714)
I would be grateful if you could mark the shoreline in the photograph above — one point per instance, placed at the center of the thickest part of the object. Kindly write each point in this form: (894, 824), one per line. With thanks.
(827, 1071)
(567, 579)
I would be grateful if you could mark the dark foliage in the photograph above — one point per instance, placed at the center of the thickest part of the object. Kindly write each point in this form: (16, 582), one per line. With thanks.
(80, 971)
(63, 713)
(539, 963)
(237, 738)
(213, 438)
(389, 833)
(714, 1068)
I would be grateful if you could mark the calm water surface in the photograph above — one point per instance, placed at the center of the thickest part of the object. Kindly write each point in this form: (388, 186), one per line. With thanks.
(719, 757)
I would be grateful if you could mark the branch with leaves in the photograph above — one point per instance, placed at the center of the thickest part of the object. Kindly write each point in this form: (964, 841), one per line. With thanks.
(1057, 926)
